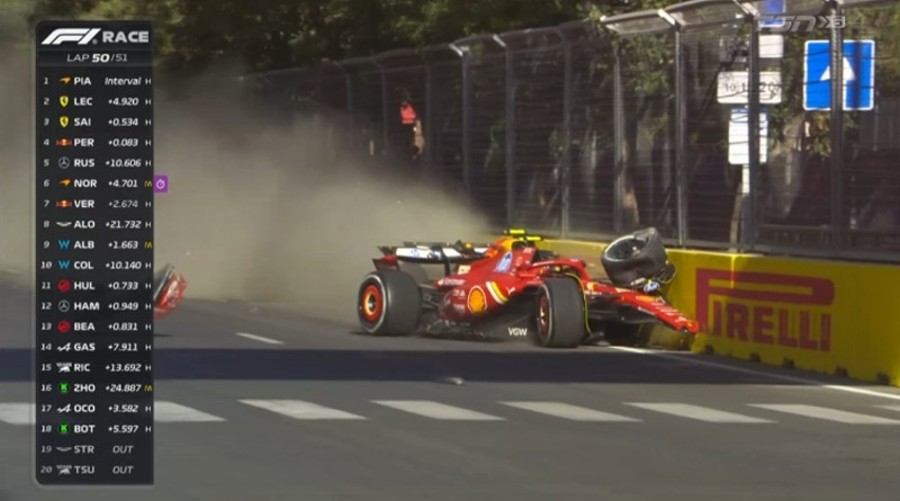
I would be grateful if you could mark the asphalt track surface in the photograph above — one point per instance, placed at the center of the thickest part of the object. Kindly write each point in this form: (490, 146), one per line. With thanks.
(384, 419)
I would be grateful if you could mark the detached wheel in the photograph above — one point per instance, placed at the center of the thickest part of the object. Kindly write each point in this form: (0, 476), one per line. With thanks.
(560, 315)
(389, 303)
(638, 255)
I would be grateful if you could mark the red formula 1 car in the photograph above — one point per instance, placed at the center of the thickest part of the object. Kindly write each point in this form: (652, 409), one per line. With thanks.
(168, 291)
(513, 289)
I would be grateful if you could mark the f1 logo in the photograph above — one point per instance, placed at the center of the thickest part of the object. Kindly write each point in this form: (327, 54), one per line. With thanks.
(81, 35)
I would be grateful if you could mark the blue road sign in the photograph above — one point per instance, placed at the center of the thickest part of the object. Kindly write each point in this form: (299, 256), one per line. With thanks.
(771, 14)
(859, 75)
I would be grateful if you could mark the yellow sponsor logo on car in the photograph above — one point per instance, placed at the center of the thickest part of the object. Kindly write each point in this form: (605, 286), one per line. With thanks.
(476, 302)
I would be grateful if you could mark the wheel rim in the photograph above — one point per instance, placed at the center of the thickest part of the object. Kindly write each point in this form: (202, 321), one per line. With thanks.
(371, 303)
(544, 316)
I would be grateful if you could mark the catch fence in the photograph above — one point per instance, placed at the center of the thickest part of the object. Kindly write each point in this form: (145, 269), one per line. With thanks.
(712, 120)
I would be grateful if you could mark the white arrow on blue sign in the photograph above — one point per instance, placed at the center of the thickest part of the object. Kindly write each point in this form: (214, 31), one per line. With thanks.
(858, 75)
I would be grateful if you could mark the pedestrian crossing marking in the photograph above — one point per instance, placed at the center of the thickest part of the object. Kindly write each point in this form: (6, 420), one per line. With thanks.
(828, 414)
(437, 410)
(22, 413)
(570, 412)
(698, 413)
(300, 409)
(16, 413)
(170, 412)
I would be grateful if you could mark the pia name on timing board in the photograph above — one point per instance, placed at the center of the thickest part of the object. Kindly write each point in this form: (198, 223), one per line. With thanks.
(81, 81)
(111, 81)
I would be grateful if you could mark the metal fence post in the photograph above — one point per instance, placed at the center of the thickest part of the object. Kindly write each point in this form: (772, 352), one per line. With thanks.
(464, 54)
(351, 106)
(510, 116)
(837, 131)
(749, 192)
(638, 24)
(385, 136)
(621, 145)
(681, 145)
(348, 89)
(429, 115)
(566, 160)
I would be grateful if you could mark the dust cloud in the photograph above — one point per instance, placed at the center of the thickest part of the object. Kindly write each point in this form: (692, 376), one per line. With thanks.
(258, 210)
(272, 213)
(16, 144)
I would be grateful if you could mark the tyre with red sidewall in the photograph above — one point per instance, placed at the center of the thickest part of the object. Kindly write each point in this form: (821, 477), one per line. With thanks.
(560, 314)
(389, 303)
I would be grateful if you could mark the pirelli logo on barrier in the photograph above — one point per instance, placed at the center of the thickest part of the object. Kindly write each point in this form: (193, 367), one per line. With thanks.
(766, 308)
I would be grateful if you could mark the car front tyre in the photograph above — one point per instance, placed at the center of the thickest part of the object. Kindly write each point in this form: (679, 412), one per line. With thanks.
(560, 314)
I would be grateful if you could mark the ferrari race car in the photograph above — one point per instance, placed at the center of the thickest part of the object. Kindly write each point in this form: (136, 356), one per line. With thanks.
(168, 291)
(513, 289)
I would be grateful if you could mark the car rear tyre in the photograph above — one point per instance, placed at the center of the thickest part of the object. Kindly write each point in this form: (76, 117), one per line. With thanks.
(560, 314)
(389, 303)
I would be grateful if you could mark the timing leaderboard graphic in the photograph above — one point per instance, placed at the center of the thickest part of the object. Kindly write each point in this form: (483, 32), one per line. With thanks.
(94, 253)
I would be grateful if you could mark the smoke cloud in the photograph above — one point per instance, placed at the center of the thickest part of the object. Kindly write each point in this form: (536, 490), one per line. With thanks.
(269, 212)
(16, 145)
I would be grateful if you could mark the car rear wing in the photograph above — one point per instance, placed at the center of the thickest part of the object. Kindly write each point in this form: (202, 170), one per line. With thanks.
(436, 253)
(523, 235)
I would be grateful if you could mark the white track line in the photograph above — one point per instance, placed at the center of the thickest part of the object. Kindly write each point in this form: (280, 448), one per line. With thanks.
(299, 409)
(691, 359)
(170, 412)
(437, 410)
(816, 412)
(698, 413)
(17, 413)
(571, 412)
(259, 338)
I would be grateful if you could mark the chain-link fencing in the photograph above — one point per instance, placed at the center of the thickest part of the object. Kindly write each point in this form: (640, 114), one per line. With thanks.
(712, 120)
